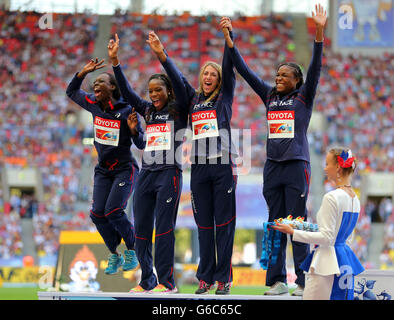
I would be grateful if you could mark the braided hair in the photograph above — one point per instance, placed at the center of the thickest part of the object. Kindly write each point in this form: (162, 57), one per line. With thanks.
(171, 96)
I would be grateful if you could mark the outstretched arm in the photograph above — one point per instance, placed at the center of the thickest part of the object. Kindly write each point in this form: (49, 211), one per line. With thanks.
(313, 74)
(257, 84)
(127, 92)
(329, 214)
(227, 64)
(74, 91)
(183, 90)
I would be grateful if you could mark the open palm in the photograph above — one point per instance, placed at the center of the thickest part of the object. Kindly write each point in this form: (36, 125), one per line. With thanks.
(154, 42)
(92, 65)
(320, 17)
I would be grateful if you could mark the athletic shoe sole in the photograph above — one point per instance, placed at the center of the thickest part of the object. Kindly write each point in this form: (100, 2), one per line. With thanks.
(164, 292)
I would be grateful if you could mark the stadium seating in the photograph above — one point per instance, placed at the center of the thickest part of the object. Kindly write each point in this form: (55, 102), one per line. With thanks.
(37, 126)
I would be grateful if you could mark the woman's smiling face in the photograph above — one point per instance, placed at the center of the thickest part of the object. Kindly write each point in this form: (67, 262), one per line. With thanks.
(158, 93)
(285, 80)
(102, 87)
(209, 80)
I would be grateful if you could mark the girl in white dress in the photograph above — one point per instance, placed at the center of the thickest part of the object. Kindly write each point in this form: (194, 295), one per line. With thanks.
(332, 265)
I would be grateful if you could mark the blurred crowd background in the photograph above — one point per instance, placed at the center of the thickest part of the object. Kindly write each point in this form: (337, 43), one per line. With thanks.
(39, 126)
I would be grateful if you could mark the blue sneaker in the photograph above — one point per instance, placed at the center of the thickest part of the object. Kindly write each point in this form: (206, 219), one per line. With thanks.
(114, 263)
(131, 261)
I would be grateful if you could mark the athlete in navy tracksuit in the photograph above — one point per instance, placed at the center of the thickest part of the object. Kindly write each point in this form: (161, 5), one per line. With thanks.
(213, 182)
(116, 171)
(287, 169)
(159, 184)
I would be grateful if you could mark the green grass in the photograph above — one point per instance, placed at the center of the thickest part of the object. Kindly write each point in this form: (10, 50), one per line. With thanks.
(25, 293)
(30, 293)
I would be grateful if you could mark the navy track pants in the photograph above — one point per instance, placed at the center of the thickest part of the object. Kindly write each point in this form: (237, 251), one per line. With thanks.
(156, 201)
(285, 189)
(213, 200)
(111, 191)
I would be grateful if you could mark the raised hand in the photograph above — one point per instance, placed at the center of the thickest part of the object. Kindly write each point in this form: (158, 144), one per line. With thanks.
(91, 66)
(320, 17)
(154, 42)
(156, 45)
(113, 47)
(132, 122)
(225, 25)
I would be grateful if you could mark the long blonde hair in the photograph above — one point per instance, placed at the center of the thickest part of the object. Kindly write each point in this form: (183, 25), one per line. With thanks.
(218, 68)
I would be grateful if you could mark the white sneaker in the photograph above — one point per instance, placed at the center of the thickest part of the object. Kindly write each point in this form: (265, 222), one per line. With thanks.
(299, 291)
(277, 289)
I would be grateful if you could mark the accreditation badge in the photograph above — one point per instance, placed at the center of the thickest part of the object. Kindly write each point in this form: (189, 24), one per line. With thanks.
(204, 124)
(106, 131)
(158, 137)
(280, 124)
